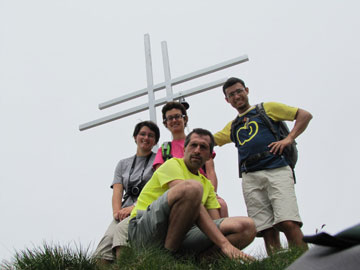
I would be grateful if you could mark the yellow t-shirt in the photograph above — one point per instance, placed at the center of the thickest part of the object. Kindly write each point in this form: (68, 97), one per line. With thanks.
(173, 169)
(276, 111)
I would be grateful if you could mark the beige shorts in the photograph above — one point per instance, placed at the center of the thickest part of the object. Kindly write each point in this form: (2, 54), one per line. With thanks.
(116, 235)
(270, 197)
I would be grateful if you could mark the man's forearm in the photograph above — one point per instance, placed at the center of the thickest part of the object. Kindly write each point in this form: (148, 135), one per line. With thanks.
(210, 172)
(302, 120)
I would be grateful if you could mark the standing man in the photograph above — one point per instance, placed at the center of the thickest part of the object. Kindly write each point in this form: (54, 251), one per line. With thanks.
(177, 208)
(267, 179)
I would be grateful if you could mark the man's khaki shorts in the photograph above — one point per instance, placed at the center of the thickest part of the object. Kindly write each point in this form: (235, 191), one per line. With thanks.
(270, 197)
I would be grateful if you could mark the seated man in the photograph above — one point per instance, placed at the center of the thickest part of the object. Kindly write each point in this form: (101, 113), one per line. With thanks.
(177, 208)
(175, 119)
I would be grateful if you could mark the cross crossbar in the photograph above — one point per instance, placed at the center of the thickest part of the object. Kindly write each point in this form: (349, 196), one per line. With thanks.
(145, 107)
(168, 83)
(175, 81)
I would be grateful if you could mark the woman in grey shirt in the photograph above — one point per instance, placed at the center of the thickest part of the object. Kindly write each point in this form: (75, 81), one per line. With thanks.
(131, 174)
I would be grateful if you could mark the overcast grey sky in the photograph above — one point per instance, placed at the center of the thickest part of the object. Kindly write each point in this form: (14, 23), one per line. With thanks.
(60, 59)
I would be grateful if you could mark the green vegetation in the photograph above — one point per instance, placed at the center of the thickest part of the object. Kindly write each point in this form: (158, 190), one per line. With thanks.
(64, 258)
(51, 257)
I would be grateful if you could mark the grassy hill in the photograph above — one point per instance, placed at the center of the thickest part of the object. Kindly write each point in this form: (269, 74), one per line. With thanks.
(54, 257)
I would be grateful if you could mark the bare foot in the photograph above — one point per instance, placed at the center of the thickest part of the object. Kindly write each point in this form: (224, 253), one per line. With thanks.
(235, 253)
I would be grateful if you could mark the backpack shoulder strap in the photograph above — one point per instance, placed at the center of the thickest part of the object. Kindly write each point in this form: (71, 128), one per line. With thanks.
(166, 151)
(232, 129)
(261, 111)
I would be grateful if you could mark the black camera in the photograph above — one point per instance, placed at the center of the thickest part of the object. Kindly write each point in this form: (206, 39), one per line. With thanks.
(135, 190)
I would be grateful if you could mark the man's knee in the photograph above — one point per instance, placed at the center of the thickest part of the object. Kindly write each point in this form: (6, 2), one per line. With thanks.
(241, 225)
(271, 236)
(194, 189)
(287, 225)
(269, 233)
(189, 190)
(250, 226)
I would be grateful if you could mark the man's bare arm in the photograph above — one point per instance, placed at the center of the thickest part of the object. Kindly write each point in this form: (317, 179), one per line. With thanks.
(302, 120)
(213, 213)
(207, 226)
(210, 173)
(205, 221)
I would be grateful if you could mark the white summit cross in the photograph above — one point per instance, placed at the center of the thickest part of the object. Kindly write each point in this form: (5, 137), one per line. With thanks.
(167, 84)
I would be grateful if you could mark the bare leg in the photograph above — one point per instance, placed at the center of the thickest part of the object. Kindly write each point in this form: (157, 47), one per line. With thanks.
(118, 251)
(240, 231)
(293, 233)
(184, 200)
(102, 263)
(272, 240)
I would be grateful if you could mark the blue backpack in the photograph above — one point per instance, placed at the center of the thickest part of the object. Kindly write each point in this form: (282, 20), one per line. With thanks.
(290, 152)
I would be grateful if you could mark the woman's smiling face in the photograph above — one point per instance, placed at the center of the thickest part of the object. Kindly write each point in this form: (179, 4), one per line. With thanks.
(145, 139)
(175, 121)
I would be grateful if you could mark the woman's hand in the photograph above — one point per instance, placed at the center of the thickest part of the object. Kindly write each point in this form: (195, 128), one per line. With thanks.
(116, 215)
(123, 213)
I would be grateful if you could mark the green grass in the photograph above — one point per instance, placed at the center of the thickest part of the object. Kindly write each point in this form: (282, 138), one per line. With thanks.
(50, 257)
(65, 258)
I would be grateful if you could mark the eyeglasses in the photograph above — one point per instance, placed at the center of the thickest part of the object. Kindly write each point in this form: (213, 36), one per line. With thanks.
(150, 135)
(236, 92)
(172, 117)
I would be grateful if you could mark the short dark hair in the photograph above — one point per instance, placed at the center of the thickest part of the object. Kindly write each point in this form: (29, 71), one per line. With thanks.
(151, 125)
(230, 82)
(203, 132)
(172, 105)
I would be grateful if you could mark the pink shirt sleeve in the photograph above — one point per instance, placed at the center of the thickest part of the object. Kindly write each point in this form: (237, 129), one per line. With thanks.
(158, 158)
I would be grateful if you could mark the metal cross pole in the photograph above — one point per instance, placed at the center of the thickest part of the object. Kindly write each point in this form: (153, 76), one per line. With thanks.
(149, 77)
(168, 83)
(169, 92)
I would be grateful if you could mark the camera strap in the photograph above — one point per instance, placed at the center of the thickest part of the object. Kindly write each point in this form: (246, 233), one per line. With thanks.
(133, 167)
(127, 192)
